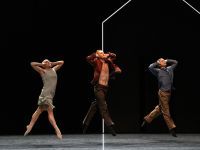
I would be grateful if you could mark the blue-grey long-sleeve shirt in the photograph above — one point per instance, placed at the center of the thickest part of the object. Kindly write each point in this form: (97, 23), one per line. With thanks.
(164, 75)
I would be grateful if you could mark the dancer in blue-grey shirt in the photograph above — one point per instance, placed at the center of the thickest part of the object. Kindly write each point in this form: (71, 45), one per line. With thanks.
(165, 75)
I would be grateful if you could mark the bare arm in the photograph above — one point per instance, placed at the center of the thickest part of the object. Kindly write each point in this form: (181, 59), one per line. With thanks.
(57, 65)
(37, 67)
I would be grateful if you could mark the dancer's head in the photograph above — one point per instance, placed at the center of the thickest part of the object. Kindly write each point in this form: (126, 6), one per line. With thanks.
(46, 63)
(162, 63)
(101, 54)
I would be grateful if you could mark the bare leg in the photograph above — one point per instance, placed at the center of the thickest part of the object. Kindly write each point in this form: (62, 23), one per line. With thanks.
(53, 122)
(34, 118)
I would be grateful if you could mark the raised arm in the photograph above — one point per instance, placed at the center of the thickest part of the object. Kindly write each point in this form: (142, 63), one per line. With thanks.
(91, 58)
(37, 67)
(112, 56)
(57, 64)
(173, 63)
(153, 68)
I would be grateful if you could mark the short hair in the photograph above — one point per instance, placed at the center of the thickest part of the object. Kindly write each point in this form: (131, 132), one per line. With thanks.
(45, 60)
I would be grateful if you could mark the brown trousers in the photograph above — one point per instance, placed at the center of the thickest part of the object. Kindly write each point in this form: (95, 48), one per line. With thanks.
(100, 92)
(162, 108)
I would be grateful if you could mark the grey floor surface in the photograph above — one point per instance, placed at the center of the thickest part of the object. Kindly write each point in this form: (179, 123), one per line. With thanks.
(95, 142)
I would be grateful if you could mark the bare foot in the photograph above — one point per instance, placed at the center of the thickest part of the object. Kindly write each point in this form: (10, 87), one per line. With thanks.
(59, 135)
(28, 129)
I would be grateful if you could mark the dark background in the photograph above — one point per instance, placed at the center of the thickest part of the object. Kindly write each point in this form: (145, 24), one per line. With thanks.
(139, 34)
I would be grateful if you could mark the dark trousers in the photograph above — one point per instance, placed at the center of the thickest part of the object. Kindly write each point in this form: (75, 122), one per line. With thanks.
(100, 92)
(162, 108)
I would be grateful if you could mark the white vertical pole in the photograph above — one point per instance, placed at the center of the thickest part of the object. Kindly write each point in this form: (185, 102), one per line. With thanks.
(102, 41)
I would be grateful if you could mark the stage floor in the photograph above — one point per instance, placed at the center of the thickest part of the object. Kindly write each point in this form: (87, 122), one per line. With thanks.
(102, 142)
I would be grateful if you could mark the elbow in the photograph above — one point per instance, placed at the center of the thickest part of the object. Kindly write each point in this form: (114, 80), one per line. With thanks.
(88, 59)
(32, 64)
(119, 71)
(62, 62)
(150, 66)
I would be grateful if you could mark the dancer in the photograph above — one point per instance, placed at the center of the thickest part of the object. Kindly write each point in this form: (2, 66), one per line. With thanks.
(47, 71)
(164, 75)
(104, 70)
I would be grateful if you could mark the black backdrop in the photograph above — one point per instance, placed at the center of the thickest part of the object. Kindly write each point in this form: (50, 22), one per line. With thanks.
(139, 34)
